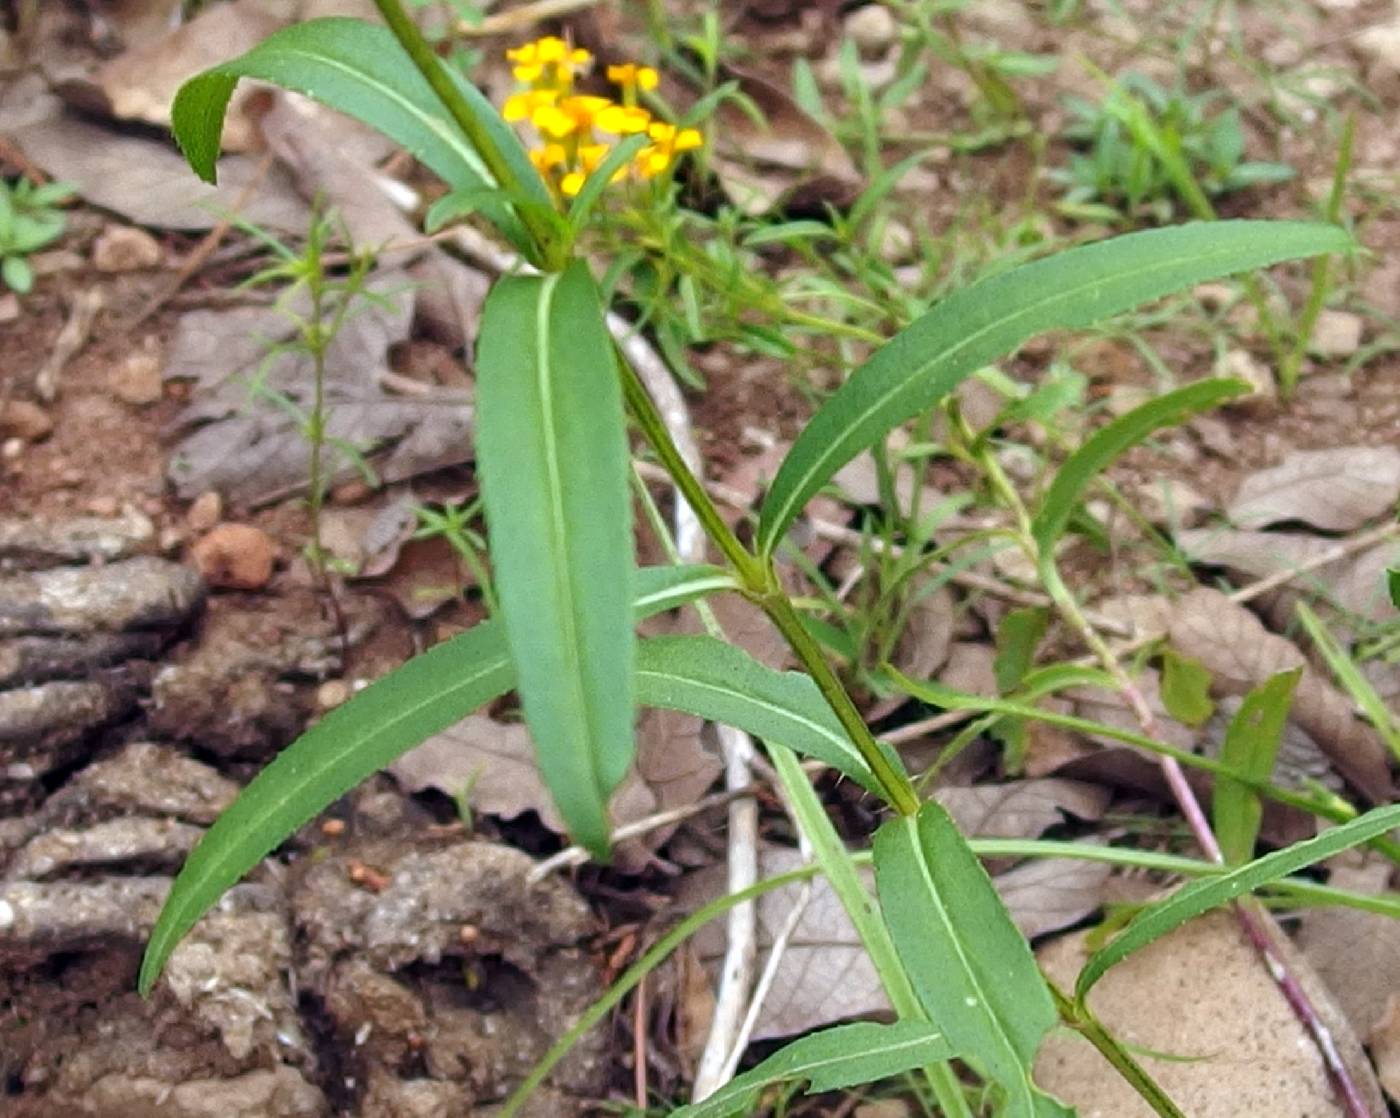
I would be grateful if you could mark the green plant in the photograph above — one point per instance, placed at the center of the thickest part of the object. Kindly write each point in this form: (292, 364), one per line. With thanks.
(1119, 174)
(29, 220)
(553, 396)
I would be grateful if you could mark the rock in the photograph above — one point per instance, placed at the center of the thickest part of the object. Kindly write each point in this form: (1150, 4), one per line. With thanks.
(235, 557)
(332, 694)
(12, 449)
(136, 380)
(124, 248)
(897, 242)
(206, 511)
(9, 308)
(24, 420)
(43, 727)
(151, 842)
(140, 593)
(1335, 334)
(1248, 368)
(31, 542)
(872, 28)
(59, 915)
(1381, 44)
(187, 789)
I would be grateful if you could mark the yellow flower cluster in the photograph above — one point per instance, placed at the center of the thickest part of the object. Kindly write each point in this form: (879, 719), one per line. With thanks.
(569, 124)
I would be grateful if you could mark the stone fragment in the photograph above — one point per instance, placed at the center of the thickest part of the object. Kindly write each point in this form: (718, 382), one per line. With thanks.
(235, 557)
(1335, 334)
(872, 28)
(206, 512)
(136, 379)
(24, 420)
(33, 542)
(140, 593)
(124, 248)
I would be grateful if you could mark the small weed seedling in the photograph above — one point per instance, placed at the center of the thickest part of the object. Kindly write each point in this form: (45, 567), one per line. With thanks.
(553, 402)
(29, 220)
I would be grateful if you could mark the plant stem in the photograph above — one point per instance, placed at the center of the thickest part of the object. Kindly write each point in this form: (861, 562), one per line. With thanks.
(552, 255)
(1078, 1018)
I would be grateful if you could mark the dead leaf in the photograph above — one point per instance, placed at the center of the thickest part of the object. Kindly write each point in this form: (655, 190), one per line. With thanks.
(923, 644)
(824, 976)
(790, 161)
(252, 451)
(140, 83)
(1022, 808)
(1385, 1048)
(1356, 953)
(1337, 490)
(150, 183)
(1240, 654)
(1044, 895)
(1354, 583)
(1110, 707)
(1201, 997)
(492, 763)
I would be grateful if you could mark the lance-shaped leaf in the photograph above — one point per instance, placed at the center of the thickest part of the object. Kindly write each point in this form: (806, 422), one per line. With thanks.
(374, 728)
(1201, 896)
(552, 451)
(972, 970)
(990, 318)
(1106, 444)
(1251, 747)
(717, 681)
(829, 1060)
(360, 69)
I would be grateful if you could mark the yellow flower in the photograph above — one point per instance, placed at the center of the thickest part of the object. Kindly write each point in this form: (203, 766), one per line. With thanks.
(548, 157)
(667, 141)
(623, 120)
(570, 116)
(548, 62)
(631, 78)
(524, 105)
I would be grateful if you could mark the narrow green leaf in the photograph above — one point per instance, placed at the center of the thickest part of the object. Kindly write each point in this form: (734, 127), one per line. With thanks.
(359, 69)
(981, 323)
(1201, 896)
(1251, 746)
(1392, 579)
(707, 677)
(601, 178)
(552, 451)
(1361, 689)
(845, 1056)
(1107, 443)
(1018, 635)
(379, 724)
(971, 968)
(1186, 689)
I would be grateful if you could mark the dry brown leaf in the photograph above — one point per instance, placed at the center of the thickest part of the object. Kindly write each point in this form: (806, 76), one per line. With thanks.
(1046, 894)
(923, 644)
(150, 183)
(140, 83)
(491, 763)
(1200, 994)
(1111, 708)
(252, 451)
(1354, 583)
(1240, 654)
(1385, 1048)
(1338, 489)
(1356, 953)
(1022, 808)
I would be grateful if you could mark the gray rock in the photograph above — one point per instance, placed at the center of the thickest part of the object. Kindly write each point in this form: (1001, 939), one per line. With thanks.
(139, 593)
(36, 543)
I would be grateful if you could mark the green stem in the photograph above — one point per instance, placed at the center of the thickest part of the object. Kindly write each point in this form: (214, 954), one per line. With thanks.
(1087, 1025)
(552, 255)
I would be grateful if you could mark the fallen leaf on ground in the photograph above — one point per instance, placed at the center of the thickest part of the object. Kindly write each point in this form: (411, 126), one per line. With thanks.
(1200, 997)
(1022, 808)
(149, 182)
(1338, 489)
(1044, 895)
(1385, 1048)
(140, 83)
(1241, 654)
(922, 647)
(253, 451)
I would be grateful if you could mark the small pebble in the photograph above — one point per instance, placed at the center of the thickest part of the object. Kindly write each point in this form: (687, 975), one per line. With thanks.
(25, 419)
(333, 828)
(123, 248)
(136, 379)
(9, 307)
(103, 506)
(235, 557)
(12, 449)
(7, 916)
(351, 493)
(332, 693)
(1335, 334)
(872, 28)
(207, 511)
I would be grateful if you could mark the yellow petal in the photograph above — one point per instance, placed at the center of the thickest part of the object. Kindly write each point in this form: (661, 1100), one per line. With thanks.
(647, 78)
(687, 138)
(571, 183)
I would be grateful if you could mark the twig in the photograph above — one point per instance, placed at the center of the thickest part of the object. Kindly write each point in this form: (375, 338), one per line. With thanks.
(205, 249)
(577, 855)
(71, 339)
(520, 17)
(639, 1045)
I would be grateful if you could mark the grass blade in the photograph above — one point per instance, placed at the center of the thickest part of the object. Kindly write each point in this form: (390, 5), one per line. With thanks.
(552, 451)
(990, 318)
(829, 1060)
(376, 726)
(1251, 747)
(1201, 896)
(971, 968)
(707, 677)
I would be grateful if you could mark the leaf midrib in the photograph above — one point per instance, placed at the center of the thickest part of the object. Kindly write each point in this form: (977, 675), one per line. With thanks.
(951, 352)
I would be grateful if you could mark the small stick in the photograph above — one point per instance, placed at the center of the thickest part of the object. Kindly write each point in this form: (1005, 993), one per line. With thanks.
(519, 18)
(639, 1044)
(71, 339)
